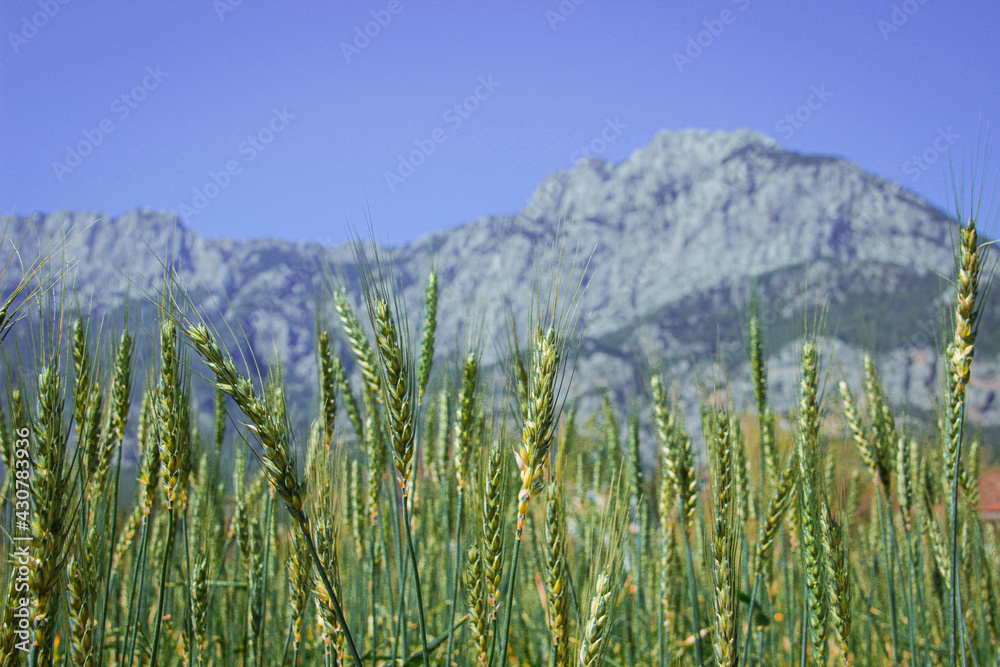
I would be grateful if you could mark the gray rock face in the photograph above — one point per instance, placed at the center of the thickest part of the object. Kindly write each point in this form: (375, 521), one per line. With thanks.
(666, 242)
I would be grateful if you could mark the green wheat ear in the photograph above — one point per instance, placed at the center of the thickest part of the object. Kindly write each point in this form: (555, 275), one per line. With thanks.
(398, 380)
(329, 371)
(464, 417)
(813, 502)
(478, 607)
(493, 505)
(606, 578)
(427, 342)
(538, 430)
(48, 522)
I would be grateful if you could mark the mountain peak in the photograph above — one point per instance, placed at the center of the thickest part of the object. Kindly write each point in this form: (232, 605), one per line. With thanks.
(673, 236)
(703, 146)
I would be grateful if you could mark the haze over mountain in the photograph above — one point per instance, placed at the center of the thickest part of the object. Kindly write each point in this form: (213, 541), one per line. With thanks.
(670, 240)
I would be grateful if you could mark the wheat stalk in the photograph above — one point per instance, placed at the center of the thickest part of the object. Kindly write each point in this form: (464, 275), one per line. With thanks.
(815, 558)
(606, 570)
(81, 579)
(463, 419)
(839, 583)
(678, 458)
(960, 353)
(726, 543)
(539, 422)
(478, 607)
(427, 342)
(556, 575)
(593, 642)
(114, 432)
(299, 580)
(397, 393)
(758, 374)
(360, 346)
(493, 504)
(678, 467)
(329, 366)
(782, 496)
(199, 608)
(278, 461)
(48, 529)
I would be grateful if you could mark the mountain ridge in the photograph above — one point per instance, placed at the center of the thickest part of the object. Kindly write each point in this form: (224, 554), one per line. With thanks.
(673, 234)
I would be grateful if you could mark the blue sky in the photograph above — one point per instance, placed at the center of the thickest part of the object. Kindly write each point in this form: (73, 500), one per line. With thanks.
(287, 120)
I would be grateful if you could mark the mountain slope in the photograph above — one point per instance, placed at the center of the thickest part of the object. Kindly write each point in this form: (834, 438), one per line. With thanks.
(670, 240)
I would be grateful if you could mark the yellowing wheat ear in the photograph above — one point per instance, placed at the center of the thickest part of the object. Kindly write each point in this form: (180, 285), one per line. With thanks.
(539, 390)
(538, 430)
(960, 352)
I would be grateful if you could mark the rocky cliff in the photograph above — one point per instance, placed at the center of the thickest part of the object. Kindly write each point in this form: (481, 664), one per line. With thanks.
(667, 243)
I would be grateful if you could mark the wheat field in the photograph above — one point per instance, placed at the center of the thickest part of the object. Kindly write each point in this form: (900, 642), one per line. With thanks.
(431, 516)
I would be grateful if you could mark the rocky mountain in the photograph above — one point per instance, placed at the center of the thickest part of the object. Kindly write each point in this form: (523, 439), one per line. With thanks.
(667, 242)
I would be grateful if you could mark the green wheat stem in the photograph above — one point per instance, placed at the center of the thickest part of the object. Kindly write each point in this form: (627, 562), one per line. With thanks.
(114, 526)
(163, 587)
(505, 633)
(138, 583)
(454, 589)
(189, 628)
(416, 579)
(956, 607)
(905, 589)
(402, 569)
(890, 573)
(333, 599)
(372, 606)
(693, 589)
